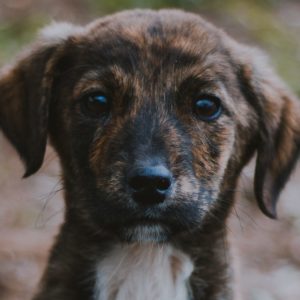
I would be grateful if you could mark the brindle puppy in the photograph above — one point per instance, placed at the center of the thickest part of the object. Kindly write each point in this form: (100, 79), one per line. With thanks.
(153, 116)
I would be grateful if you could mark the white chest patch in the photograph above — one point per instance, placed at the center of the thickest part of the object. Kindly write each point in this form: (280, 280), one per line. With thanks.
(143, 271)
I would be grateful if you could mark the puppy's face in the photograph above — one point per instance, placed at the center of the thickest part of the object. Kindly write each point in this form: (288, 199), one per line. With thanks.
(148, 117)
(153, 119)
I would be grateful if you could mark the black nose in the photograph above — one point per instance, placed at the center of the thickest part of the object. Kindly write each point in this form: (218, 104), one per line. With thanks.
(150, 185)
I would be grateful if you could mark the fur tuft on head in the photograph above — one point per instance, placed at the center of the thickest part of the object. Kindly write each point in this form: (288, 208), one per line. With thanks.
(58, 32)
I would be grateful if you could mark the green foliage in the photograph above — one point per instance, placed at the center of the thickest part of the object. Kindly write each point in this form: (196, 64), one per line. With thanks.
(113, 5)
(15, 35)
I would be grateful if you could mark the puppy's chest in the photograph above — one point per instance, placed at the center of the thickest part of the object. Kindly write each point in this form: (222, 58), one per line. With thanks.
(143, 271)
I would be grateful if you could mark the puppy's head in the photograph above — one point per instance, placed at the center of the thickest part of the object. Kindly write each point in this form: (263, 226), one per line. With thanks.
(153, 115)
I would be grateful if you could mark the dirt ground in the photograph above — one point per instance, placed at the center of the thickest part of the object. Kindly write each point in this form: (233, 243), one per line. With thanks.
(266, 253)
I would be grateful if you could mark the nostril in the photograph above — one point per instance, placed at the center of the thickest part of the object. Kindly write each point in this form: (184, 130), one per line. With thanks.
(163, 183)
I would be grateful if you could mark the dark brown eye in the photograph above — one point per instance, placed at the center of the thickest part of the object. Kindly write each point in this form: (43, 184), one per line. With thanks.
(208, 108)
(95, 105)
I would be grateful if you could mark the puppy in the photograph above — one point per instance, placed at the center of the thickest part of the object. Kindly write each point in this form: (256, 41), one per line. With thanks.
(153, 115)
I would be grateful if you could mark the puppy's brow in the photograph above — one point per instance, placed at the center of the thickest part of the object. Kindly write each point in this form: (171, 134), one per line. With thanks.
(97, 78)
(199, 82)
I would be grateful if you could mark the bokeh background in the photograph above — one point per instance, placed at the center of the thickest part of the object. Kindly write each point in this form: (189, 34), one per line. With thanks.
(266, 253)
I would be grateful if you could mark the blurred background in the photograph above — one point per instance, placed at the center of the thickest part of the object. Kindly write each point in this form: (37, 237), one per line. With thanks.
(266, 252)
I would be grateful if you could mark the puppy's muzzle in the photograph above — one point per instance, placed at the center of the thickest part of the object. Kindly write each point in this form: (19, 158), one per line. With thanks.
(150, 185)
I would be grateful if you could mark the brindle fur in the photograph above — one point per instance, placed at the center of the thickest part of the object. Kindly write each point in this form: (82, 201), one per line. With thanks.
(152, 65)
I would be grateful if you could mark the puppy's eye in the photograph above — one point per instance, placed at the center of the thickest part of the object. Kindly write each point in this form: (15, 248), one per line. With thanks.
(95, 105)
(208, 108)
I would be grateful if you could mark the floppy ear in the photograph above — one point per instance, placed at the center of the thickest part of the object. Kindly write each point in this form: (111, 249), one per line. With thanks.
(25, 90)
(278, 144)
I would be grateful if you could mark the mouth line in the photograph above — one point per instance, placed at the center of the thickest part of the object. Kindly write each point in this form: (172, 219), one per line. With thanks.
(145, 222)
(145, 231)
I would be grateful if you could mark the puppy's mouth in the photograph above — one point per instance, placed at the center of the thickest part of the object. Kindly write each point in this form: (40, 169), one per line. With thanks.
(145, 231)
(159, 223)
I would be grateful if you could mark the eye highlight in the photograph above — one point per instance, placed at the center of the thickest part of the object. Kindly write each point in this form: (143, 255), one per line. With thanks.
(207, 108)
(95, 105)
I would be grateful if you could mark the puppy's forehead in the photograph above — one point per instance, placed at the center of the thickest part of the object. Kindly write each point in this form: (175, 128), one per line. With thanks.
(147, 34)
(139, 23)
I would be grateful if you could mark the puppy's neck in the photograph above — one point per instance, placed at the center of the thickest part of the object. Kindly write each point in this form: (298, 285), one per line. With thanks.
(143, 271)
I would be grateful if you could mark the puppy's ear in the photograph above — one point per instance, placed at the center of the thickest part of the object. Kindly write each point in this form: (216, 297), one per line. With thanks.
(25, 90)
(278, 143)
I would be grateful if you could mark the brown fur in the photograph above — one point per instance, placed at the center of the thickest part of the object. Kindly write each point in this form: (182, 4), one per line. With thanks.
(153, 65)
